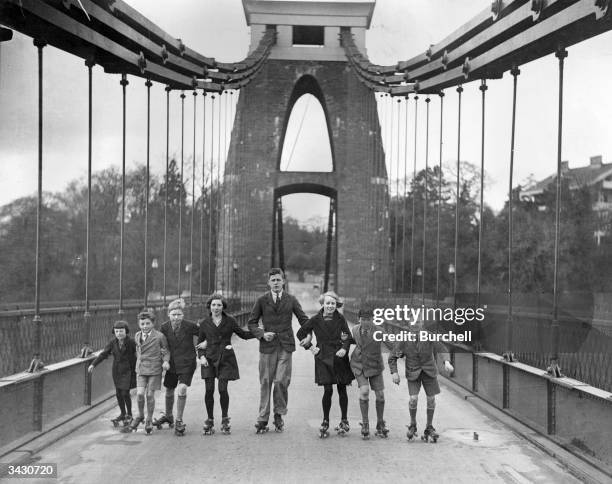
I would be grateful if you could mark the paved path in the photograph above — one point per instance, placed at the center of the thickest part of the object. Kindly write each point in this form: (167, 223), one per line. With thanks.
(97, 453)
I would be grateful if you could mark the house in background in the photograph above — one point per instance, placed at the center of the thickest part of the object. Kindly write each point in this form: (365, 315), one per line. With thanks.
(597, 176)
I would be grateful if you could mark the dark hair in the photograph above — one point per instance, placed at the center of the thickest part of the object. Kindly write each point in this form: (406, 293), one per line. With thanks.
(121, 325)
(365, 311)
(274, 271)
(146, 314)
(216, 296)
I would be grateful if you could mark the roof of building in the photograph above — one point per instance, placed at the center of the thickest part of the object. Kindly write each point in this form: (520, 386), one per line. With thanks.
(577, 177)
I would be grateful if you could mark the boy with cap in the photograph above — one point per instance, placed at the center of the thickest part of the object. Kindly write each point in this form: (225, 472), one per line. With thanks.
(367, 365)
(123, 349)
(153, 357)
(182, 337)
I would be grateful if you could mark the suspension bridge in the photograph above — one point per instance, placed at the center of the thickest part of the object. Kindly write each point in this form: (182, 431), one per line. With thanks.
(536, 378)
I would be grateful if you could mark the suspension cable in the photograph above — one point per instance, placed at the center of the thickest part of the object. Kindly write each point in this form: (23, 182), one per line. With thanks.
(165, 289)
(441, 94)
(457, 195)
(124, 82)
(414, 174)
(425, 197)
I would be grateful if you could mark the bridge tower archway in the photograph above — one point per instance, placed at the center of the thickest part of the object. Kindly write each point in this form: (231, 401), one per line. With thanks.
(253, 178)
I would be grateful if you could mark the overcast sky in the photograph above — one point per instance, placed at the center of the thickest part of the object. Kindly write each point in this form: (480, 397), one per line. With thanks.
(400, 29)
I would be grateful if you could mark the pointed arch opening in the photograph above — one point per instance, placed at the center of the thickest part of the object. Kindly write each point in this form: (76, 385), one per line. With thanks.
(306, 141)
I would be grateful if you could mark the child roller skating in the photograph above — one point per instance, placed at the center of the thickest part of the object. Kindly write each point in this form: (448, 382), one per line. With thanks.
(324, 429)
(367, 365)
(261, 427)
(226, 428)
(152, 358)
(209, 427)
(217, 358)
(331, 361)
(182, 337)
(123, 349)
(164, 419)
(343, 427)
(421, 370)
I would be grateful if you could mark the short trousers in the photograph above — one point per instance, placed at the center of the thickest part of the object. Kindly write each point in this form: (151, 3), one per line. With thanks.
(171, 380)
(376, 382)
(150, 382)
(430, 384)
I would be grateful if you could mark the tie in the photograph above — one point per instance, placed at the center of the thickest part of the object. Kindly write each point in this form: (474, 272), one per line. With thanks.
(144, 337)
(276, 299)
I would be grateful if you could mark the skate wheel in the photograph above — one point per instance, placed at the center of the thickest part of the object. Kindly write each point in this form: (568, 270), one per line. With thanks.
(435, 440)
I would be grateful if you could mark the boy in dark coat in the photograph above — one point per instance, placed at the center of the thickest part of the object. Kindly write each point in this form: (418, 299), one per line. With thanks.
(217, 358)
(182, 338)
(421, 369)
(123, 349)
(276, 345)
(331, 356)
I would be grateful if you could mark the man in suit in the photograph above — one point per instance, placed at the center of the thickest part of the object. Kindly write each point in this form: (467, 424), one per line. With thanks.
(182, 337)
(276, 345)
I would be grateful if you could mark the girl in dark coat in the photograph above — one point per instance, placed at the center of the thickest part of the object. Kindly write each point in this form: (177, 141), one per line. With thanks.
(217, 358)
(331, 356)
(123, 349)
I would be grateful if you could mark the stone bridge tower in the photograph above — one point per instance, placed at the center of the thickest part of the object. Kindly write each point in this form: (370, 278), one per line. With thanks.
(307, 59)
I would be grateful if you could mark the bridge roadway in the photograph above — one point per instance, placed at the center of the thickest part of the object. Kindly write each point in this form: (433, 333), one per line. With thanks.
(98, 453)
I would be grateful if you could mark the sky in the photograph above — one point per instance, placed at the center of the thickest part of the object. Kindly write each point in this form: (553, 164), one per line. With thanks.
(400, 29)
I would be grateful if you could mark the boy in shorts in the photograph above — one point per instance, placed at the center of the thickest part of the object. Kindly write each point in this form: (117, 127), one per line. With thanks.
(421, 369)
(367, 365)
(152, 357)
(182, 337)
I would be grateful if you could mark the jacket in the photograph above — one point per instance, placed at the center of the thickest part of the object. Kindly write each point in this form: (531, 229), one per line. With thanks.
(124, 362)
(420, 357)
(276, 318)
(151, 353)
(367, 357)
(182, 349)
(222, 362)
(329, 368)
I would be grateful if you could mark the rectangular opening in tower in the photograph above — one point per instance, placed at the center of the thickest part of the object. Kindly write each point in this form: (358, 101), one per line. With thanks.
(308, 35)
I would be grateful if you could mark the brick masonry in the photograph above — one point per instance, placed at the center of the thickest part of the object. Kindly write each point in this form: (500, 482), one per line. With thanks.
(253, 179)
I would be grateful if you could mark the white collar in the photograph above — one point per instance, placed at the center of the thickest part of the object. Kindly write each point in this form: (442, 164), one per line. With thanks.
(275, 295)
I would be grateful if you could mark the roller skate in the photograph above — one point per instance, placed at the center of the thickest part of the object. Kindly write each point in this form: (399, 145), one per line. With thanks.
(365, 431)
(133, 425)
(430, 433)
(324, 429)
(209, 427)
(226, 428)
(179, 428)
(343, 427)
(261, 427)
(412, 431)
(148, 426)
(279, 425)
(128, 420)
(164, 419)
(382, 430)
(118, 420)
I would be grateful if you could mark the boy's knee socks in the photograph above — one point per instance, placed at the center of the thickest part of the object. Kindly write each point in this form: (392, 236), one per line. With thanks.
(150, 405)
(141, 401)
(169, 402)
(180, 406)
(380, 410)
(412, 407)
(363, 405)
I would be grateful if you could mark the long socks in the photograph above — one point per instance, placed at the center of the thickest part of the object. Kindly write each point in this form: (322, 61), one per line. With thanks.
(120, 400)
(326, 401)
(380, 410)
(223, 397)
(141, 402)
(180, 406)
(169, 402)
(209, 396)
(343, 397)
(150, 405)
(364, 407)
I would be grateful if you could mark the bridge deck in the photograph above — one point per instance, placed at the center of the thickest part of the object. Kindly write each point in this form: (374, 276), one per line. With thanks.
(98, 453)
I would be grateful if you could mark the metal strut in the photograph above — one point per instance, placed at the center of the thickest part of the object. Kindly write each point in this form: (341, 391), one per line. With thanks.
(330, 234)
